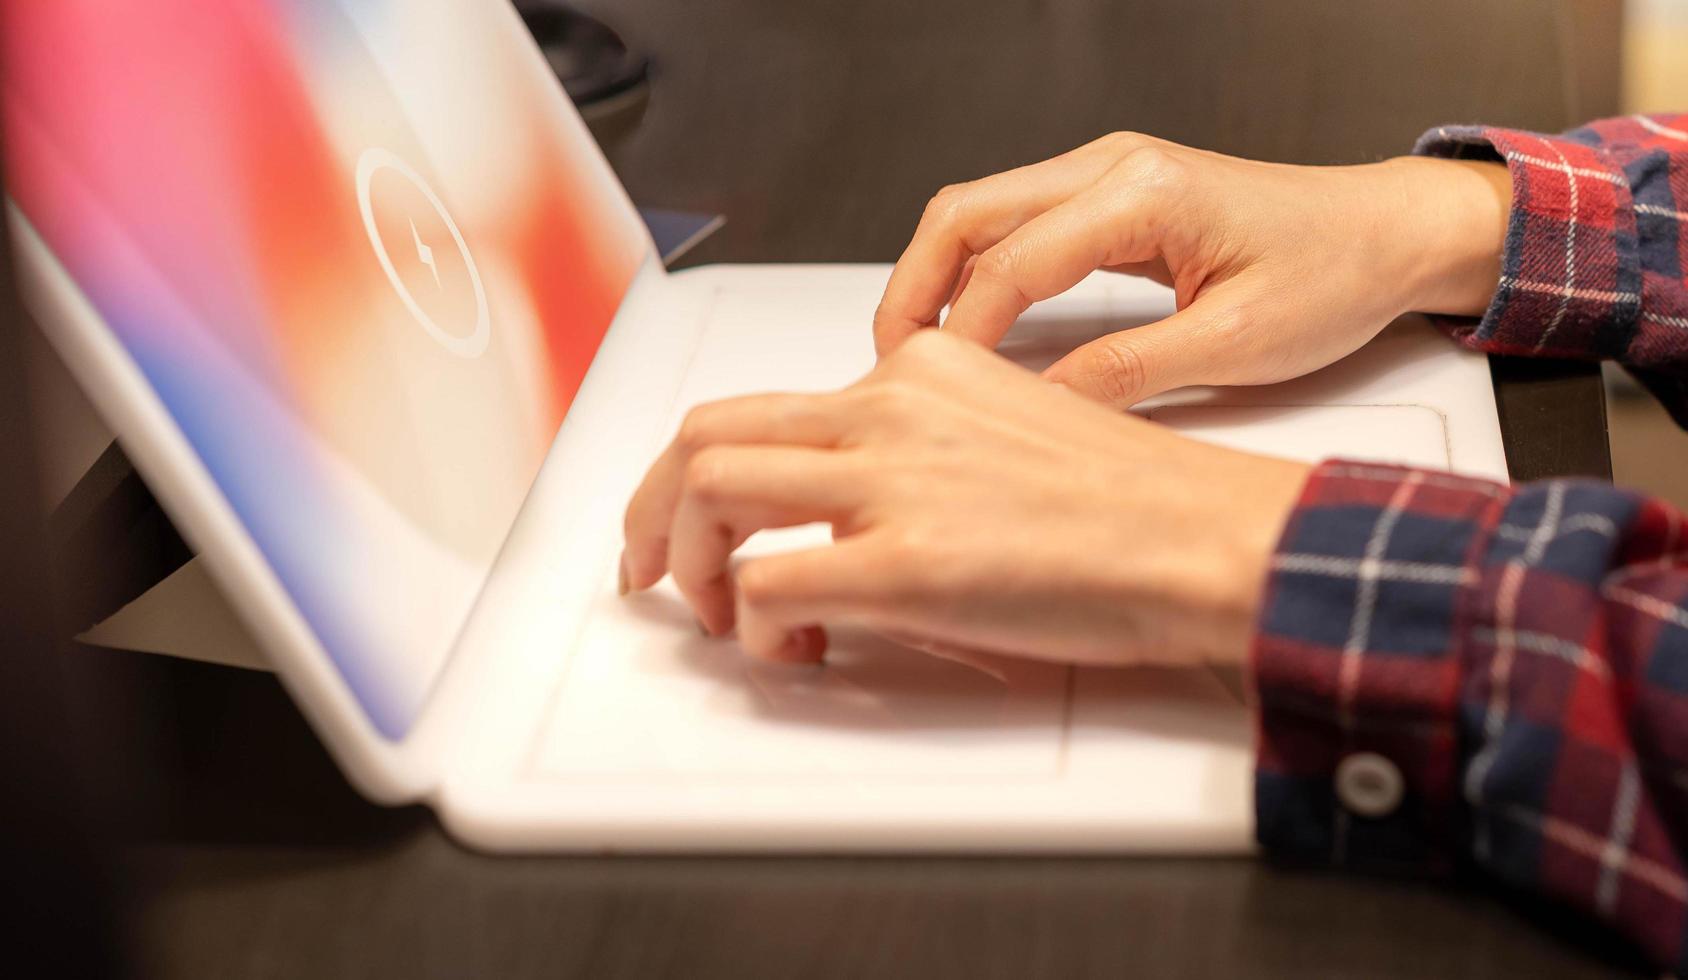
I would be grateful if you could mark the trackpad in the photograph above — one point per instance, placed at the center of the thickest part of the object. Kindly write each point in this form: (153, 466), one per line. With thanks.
(647, 694)
(1410, 435)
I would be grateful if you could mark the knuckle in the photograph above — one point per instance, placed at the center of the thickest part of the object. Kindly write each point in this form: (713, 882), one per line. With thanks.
(756, 584)
(686, 579)
(707, 476)
(1120, 140)
(907, 481)
(1152, 167)
(923, 347)
(694, 429)
(1000, 264)
(1121, 376)
(946, 204)
(894, 400)
(905, 545)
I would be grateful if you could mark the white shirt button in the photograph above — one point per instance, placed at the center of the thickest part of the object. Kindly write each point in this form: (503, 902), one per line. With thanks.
(1369, 785)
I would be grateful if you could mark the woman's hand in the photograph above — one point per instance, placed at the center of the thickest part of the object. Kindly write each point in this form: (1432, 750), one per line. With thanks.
(1279, 270)
(973, 507)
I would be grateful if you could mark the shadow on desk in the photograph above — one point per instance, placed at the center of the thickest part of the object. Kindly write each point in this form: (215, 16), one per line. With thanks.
(192, 751)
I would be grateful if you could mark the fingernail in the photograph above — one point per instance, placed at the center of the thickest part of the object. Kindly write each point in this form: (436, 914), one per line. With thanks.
(623, 584)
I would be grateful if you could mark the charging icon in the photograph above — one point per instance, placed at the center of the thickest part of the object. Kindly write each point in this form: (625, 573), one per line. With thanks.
(374, 163)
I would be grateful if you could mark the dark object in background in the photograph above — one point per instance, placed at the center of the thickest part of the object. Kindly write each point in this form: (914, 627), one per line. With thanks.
(589, 58)
(678, 232)
(606, 80)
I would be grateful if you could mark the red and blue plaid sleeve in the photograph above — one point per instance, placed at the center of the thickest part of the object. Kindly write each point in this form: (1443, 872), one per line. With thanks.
(1596, 261)
(1454, 673)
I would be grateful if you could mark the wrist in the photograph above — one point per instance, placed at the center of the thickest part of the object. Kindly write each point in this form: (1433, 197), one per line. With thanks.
(1259, 515)
(1450, 234)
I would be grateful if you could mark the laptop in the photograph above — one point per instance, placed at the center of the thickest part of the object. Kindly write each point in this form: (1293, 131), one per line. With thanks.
(364, 303)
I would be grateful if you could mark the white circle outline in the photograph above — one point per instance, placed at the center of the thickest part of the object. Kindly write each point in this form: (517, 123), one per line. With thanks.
(372, 162)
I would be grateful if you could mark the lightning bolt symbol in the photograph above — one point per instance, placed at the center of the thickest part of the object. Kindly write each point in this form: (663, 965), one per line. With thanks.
(425, 254)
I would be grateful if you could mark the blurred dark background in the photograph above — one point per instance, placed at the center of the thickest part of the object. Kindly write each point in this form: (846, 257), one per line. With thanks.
(179, 820)
(834, 106)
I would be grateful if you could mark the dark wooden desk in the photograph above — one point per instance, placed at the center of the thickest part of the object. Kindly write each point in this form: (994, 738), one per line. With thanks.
(821, 130)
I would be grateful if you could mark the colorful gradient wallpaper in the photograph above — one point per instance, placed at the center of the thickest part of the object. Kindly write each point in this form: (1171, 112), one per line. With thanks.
(364, 252)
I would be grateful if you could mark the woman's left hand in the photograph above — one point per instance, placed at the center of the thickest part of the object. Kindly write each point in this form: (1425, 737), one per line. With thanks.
(973, 507)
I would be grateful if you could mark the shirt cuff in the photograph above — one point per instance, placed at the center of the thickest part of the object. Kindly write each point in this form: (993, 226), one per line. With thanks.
(1358, 662)
(1571, 274)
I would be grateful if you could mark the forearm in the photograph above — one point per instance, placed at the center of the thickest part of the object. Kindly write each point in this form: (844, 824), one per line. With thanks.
(1592, 265)
(1518, 657)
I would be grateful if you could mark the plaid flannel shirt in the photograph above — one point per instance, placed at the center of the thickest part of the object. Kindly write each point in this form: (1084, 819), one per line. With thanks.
(1454, 673)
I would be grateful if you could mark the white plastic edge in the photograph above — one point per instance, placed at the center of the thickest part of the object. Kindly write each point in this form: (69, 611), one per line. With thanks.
(383, 770)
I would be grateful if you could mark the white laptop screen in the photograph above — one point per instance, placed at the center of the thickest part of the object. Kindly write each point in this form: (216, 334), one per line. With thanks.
(363, 251)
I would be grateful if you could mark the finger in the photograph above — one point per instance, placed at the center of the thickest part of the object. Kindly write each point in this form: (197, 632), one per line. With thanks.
(928, 376)
(966, 220)
(961, 280)
(1113, 222)
(797, 420)
(730, 493)
(782, 601)
(1196, 345)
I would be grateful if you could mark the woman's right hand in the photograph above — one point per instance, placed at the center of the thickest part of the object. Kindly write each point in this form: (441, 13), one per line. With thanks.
(1278, 270)
(974, 509)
